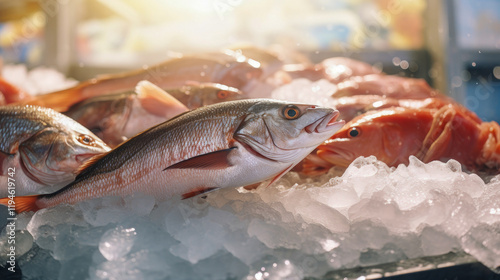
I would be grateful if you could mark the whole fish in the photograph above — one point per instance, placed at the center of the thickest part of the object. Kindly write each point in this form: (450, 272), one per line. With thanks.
(227, 68)
(230, 144)
(393, 134)
(40, 149)
(352, 106)
(334, 69)
(116, 117)
(386, 86)
(194, 95)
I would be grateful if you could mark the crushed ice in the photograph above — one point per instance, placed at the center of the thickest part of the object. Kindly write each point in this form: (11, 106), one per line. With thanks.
(298, 227)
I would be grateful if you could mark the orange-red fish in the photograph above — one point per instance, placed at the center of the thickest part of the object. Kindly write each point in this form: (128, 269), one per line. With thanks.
(393, 134)
(353, 106)
(230, 144)
(335, 70)
(40, 149)
(386, 86)
(228, 68)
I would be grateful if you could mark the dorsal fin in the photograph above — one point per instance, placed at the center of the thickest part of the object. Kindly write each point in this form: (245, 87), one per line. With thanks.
(91, 161)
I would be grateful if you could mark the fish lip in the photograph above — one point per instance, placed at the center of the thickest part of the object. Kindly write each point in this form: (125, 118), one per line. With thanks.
(325, 124)
(336, 156)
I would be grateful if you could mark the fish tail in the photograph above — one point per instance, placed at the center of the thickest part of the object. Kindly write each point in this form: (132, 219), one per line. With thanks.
(21, 204)
(61, 100)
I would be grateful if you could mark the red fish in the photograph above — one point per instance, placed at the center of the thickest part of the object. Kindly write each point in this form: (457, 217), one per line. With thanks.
(230, 144)
(386, 86)
(393, 134)
(335, 70)
(352, 106)
(228, 68)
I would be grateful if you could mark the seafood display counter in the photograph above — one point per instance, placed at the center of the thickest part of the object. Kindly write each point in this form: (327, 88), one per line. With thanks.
(249, 140)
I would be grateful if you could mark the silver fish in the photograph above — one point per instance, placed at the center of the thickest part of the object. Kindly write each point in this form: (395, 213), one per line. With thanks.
(40, 149)
(116, 117)
(230, 144)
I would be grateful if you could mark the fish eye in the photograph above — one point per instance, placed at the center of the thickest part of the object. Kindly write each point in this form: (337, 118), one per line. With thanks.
(86, 139)
(353, 132)
(291, 112)
(222, 94)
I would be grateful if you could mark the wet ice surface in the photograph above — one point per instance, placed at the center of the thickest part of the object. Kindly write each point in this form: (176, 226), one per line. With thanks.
(298, 227)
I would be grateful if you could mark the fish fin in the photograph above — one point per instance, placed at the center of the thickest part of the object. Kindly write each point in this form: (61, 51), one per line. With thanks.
(439, 136)
(197, 191)
(157, 101)
(277, 177)
(91, 161)
(213, 160)
(22, 203)
(252, 186)
(61, 100)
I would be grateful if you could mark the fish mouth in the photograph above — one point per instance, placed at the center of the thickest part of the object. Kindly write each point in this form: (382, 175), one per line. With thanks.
(325, 124)
(335, 155)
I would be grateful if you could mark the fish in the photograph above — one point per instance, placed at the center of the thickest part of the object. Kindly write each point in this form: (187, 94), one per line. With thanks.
(194, 95)
(42, 149)
(226, 67)
(269, 61)
(229, 144)
(352, 106)
(116, 117)
(10, 93)
(334, 69)
(392, 135)
(386, 86)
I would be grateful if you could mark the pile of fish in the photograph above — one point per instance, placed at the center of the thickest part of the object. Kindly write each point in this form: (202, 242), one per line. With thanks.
(196, 123)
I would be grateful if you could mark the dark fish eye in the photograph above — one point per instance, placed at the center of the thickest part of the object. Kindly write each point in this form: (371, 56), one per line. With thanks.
(353, 132)
(86, 139)
(222, 94)
(291, 112)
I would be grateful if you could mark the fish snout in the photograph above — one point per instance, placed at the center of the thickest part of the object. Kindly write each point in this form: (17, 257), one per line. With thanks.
(327, 123)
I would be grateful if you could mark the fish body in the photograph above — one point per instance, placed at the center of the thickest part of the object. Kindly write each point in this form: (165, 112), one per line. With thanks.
(230, 144)
(227, 68)
(335, 70)
(117, 117)
(393, 134)
(352, 106)
(194, 95)
(45, 148)
(386, 86)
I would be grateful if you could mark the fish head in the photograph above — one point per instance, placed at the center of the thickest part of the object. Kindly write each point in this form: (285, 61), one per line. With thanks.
(391, 135)
(54, 154)
(286, 132)
(212, 93)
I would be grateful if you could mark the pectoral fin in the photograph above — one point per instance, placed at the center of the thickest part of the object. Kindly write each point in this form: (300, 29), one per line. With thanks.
(213, 160)
(277, 177)
(197, 191)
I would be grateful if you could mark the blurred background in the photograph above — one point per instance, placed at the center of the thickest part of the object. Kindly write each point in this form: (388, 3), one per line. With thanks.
(453, 44)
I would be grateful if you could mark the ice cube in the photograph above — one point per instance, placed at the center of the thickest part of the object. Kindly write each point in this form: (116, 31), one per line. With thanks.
(117, 242)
